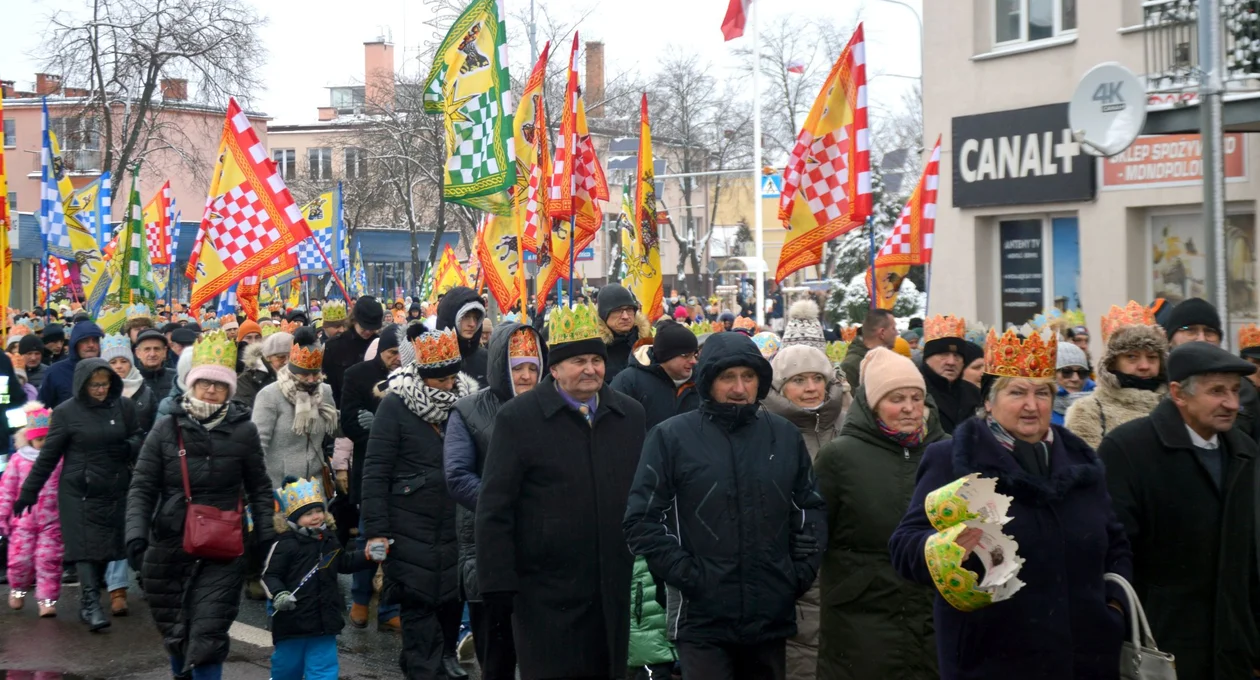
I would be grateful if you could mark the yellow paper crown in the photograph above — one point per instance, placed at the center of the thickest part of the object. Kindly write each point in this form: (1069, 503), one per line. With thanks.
(947, 326)
(334, 312)
(1249, 336)
(523, 343)
(1008, 356)
(837, 351)
(1132, 314)
(437, 348)
(572, 325)
(269, 329)
(702, 327)
(299, 494)
(214, 348)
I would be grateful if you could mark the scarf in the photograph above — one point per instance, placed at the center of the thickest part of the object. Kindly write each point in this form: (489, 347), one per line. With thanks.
(132, 383)
(906, 440)
(1145, 384)
(430, 404)
(28, 453)
(209, 415)
(311, 414)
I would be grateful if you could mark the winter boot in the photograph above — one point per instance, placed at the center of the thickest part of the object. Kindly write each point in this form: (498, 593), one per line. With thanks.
(118, 601)
(359, 615)
(90, 611)
(450, 664)
(47, 609)
(17, 599)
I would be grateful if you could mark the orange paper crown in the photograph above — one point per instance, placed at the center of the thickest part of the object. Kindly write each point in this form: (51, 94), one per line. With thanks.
(744, 322)
(1132, 314)
(849, 333)
(309, 358)
(289, 326)
(437, 348)
(524, 343)
(948, 326)
(1008, 356)
(1249, 336)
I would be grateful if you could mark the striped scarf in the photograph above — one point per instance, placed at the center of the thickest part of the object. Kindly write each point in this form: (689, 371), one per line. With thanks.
(1007, 440)
(906, 440)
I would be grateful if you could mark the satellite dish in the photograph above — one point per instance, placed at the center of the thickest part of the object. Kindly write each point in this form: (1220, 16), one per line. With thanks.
(1108, 109)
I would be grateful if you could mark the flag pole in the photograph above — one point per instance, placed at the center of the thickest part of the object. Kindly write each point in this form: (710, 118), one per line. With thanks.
(331, 271)
(572, 255)
(927, 295)
(758, 221)
(870, 229)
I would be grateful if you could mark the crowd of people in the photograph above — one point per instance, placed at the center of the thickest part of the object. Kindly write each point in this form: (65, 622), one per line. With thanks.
(601, 494)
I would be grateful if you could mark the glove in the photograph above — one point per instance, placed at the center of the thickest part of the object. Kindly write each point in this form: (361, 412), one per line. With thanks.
(342, 478)
(20, 506)
(377, 549)
(135, 553)
(284, 602)
(365, 419)
(803, 545)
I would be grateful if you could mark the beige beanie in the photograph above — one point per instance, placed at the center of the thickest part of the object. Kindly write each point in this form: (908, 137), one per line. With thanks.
(797, 359)
(884, 371)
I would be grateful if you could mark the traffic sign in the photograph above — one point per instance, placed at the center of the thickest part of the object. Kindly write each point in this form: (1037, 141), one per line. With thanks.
(587, 254)
(771, 186)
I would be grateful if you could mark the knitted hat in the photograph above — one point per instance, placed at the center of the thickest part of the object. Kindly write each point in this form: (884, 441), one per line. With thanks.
(390, 338)
(767, 343)
(30, 343)
(883, 372)
(797, 359)
(38, 417)
(214, 358)
(53, 332)
(306, 356)
(299, 496)
(116, 346)
(614, 296)
(673, 340)
(1192, 312)
(680, 314)
(523, 347)
(368, 313)
(902, 347)
(277, 343)
(574, 332)
(803, 326)
(1070, 355)
(248, 326)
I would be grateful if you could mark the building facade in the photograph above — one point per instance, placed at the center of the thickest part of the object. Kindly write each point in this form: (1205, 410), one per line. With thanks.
(1026, 219)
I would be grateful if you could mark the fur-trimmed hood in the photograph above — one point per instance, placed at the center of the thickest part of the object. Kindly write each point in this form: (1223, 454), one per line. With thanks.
(1127, 339)
(252, 358)
(640, 322)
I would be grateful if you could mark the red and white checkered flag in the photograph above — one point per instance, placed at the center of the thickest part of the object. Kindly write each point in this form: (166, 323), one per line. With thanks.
(910, 242)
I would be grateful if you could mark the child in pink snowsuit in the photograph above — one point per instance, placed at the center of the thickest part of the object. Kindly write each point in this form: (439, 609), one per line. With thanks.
(35, 547)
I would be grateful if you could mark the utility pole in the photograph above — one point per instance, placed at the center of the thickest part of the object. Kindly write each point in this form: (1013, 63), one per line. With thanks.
(1211, 89)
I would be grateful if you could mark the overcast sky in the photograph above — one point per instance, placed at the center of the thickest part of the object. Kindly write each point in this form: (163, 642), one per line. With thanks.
(316, 43)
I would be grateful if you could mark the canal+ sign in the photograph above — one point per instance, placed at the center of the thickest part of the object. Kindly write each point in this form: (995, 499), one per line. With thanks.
(1019, 157)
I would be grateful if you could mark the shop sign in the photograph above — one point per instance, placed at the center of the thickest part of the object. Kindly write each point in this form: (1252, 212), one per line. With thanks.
(1169, 161)
(1023, 280)
(1019, 157)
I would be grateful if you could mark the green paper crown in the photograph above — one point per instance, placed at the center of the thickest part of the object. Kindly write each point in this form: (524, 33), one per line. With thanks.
(214, 348)
(572, 325)
(837, 351)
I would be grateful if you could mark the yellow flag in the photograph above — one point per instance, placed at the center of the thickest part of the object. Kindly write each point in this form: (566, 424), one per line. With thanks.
(643, 269)
(887, 285)
(448, 275)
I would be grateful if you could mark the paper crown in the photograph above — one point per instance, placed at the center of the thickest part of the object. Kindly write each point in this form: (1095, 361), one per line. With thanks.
(290, 326)
(976, 333)
(523, 343)
(837, 351)
(138, 311)
(702, 327)
(848, 334)
(115, 345)
(1052, 317)
(214, 349)
(228, 319)
(309, 358)
(767, 343)
(572, 325)
(1249, 336)
(334, 312)
(437, 349)
(299, 494)
(268, 329)
(745, 322)
(1132, 314)
(948, 326)
(1008, 356)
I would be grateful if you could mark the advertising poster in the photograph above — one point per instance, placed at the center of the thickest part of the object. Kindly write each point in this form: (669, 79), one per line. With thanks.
(1179, 264)
(1023, 281)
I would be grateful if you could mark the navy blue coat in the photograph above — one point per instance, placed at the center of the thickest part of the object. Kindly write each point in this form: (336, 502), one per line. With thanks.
(1058, 627)
(58, 384)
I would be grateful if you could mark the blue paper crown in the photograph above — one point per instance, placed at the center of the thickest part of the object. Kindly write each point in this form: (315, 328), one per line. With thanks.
(299, 494)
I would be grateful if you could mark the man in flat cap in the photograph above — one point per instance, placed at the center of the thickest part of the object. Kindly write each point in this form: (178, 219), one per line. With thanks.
(1182, 481)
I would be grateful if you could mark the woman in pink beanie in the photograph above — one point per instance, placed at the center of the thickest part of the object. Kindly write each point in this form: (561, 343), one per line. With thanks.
(867, 476)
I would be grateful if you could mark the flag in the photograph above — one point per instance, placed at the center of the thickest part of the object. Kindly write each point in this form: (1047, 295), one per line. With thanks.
(6, 253)
(321, 216)
(53, 276)
(643, 264)
(250, 219)
(888, 285)
(135, 283)
(247, 290)
(499, 259)
(796, 66)
(54, 190)
(295, 292)
(157, 226)
(227, 301)
(733, 22)
(359, 273)
(530, 143)
(827, 181)
(448, 274)
(89, 206)
(469, 85)
(910, 242)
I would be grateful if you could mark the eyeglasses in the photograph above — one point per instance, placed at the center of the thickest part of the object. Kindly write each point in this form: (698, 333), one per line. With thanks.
(210, 385)
(689, 355)
(97, 386)
(623, 311)
(1069, 372)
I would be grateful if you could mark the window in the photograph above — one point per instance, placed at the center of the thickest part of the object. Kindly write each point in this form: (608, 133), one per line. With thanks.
(10, 133)
(356, 163)
(80, 141)
(347, 99)
(286, 162)
(13, 207)
(1031, 20)
(319, 163)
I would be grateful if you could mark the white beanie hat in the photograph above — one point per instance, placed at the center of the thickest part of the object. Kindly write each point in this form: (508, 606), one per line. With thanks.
(798, 359)
(803, 326)
(1070, 355)
(884, 371)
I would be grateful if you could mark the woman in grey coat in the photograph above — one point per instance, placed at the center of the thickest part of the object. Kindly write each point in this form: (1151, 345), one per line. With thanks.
(296, 416)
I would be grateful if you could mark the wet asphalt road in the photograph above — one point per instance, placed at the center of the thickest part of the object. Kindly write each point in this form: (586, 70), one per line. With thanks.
(47, 649)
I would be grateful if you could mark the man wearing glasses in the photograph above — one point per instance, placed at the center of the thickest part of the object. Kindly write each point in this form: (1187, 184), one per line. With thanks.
(1196, 320)
(1073, 379)
(943, 364)
(622, 327)
(665, 387)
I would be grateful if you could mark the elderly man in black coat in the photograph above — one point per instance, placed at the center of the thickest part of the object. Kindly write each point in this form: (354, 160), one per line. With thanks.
(1182, 481)
(726, 509)
(550, 551)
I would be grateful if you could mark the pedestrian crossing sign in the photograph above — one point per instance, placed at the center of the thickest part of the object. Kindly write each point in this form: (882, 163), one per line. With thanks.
(771, 186)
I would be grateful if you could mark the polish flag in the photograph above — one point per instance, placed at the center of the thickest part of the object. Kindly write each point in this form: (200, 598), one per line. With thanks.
(733, 22)
(796, 66)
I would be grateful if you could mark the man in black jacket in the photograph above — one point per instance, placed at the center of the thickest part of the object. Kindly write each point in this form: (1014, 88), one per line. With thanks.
(665, 387)
(734, 567)
(360, 398)
(550, 551)
(348, 349)
(1182, 481)
(150, 351)
(1196, 320)
(622, 325)
(462, 309)
(942, 368)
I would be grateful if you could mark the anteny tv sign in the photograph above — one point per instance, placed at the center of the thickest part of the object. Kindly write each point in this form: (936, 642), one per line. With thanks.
(1018, 157)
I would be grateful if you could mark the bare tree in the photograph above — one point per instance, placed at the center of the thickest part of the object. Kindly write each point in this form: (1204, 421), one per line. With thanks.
(123, 50)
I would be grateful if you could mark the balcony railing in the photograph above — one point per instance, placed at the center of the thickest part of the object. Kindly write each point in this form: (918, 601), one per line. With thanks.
(1171, 42)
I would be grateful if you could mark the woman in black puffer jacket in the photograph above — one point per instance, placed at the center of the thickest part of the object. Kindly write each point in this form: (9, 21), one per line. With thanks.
(95, 435)
(193, 600)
